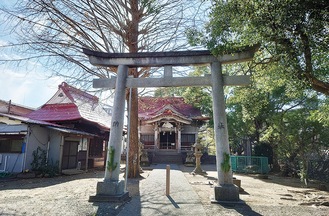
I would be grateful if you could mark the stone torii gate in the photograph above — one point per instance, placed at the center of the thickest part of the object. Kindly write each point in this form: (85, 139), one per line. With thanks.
(112, 188)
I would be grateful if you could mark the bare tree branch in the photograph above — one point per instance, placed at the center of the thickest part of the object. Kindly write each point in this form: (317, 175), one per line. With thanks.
(53, 33)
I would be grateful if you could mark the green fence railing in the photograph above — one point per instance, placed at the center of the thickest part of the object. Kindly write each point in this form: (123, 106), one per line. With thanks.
(249, 164)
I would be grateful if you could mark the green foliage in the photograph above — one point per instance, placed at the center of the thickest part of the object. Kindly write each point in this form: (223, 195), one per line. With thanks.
(225, 165)
(264, 150)
(39, 159)
(150, 6)
(206, 139)
(169, 91)
(279, 107)
(292, 34)
(40, 164)
(322, 113)
(195, 37)
(51, 169)
(277, 111)
(200, 97)
(111, 166)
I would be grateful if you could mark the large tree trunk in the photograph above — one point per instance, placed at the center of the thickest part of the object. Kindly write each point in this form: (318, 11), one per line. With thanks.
(133, 166)
(132, 43)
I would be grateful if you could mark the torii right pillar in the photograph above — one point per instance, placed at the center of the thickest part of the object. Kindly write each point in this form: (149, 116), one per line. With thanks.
(225, 191)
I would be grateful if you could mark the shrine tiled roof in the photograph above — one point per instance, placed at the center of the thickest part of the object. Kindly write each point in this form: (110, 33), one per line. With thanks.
(69, 104)
(150, 107)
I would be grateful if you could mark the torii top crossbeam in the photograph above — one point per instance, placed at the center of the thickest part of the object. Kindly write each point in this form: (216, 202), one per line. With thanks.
(167, 60)
(158, 59)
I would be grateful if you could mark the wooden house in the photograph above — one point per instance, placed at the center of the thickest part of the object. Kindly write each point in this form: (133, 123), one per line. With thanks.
(76, 109)
(21, 137)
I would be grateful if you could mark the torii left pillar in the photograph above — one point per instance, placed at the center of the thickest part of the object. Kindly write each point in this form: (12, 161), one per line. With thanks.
(112, 188)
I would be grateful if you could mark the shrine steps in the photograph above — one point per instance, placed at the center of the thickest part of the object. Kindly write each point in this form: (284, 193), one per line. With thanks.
(171, 157)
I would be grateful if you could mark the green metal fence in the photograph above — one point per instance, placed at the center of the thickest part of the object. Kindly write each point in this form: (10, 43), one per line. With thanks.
(249, 164)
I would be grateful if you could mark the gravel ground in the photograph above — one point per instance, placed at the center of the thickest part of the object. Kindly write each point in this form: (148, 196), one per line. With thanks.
(272, 196)
(68, 195)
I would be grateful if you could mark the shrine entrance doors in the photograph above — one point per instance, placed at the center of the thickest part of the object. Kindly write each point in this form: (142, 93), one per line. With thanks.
(167, 140)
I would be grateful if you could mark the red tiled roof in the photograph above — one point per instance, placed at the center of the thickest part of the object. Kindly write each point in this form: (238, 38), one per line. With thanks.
(56, 112)
(68, 104)
(149, 107)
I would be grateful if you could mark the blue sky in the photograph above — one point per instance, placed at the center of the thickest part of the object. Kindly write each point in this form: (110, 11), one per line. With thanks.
(29, 84)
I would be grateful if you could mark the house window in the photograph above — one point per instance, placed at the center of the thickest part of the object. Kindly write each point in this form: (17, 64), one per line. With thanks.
(147, 139)
(8, 145)
(96, 147)
(83, 145)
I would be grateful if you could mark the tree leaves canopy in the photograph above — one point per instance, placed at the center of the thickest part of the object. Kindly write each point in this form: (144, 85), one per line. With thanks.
(292, 33)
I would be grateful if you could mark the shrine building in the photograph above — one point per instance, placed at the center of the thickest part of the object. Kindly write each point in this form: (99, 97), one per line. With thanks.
(168, 124)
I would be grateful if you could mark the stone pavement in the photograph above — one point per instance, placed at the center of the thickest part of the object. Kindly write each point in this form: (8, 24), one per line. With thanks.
(181, 201)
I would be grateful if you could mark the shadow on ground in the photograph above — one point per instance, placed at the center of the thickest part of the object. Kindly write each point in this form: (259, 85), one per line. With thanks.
(270, 178)
(31, 183)
(242, 209)
(287, 181)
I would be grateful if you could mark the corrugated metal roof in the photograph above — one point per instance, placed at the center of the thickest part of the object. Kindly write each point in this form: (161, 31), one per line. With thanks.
(22, 128)
(27, 120)
(71, 131)
(13, 129)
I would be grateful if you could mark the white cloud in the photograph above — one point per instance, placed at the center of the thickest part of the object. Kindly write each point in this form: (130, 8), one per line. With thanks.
(25, 84)
(29, 89)
(3, 43)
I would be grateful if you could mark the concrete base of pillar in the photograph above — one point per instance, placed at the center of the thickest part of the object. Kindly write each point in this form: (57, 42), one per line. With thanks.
(226, 193)
(110, 191)
(237, 182)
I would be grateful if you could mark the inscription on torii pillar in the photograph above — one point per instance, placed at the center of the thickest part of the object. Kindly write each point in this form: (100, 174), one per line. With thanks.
(225, 191)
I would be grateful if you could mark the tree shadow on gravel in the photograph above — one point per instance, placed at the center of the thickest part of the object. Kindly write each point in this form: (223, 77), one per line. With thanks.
(242, 208)
(286, 181)
(31, 183)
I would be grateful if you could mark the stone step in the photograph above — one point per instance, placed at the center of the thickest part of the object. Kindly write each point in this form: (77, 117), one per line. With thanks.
(175, 158)
(167, 152)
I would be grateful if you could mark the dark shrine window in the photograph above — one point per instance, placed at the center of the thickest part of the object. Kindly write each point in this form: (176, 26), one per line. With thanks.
(187, 140)
(147, 139)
